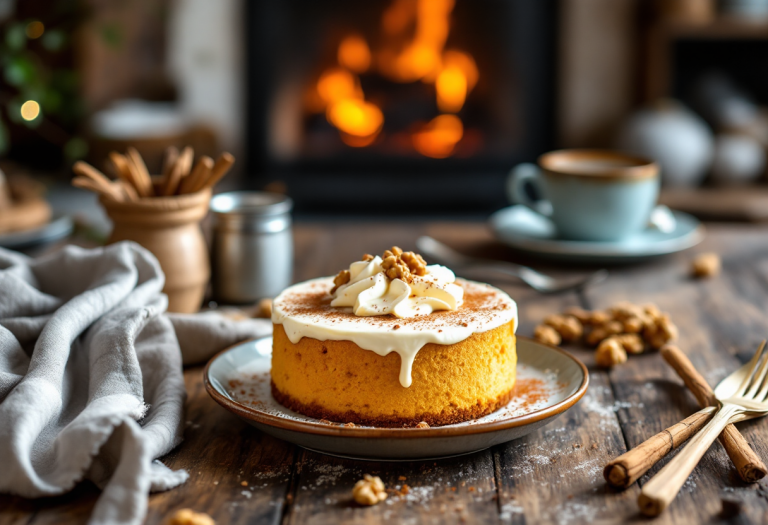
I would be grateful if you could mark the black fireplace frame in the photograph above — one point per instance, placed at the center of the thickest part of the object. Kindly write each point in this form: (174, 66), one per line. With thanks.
(445, 186)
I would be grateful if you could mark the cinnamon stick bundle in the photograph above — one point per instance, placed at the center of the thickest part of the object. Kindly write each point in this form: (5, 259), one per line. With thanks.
(627, 468)
(135, 183)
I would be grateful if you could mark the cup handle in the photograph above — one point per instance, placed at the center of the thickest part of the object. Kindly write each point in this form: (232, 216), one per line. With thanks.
(520, 176)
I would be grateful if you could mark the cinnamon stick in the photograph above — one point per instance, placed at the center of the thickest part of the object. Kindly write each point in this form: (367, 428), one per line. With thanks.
(749, 466)
(220, 168)
(91, 185)
(200, 172)
(183, 163)
(627, 468)
(122, 169)
(97, 179)
(140, 174)
(171, 156)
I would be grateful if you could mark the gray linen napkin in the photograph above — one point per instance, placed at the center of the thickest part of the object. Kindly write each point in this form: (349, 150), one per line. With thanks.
(91, 382)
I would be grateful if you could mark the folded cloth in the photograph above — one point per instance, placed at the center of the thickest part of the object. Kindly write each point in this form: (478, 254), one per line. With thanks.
(91, 381)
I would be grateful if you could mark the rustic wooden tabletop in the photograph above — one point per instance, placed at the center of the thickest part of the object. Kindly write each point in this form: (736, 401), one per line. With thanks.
(240, 475)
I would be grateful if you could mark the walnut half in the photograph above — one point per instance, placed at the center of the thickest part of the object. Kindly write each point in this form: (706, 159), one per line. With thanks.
(369, 490)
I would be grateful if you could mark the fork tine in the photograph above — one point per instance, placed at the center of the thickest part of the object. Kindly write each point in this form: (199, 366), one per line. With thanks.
(748, 377)
(759, 379)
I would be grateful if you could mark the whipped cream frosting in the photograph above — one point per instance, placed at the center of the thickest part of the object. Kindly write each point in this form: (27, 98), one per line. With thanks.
(370, 292)
(305, 310)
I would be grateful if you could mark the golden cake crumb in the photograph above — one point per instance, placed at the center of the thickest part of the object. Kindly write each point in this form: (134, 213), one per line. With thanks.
(189, 517)
(369, 491)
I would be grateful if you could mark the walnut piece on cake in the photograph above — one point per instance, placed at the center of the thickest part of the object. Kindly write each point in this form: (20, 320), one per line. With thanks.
(369, 490)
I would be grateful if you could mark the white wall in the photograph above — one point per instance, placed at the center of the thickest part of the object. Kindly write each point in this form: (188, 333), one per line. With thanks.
(206, 57)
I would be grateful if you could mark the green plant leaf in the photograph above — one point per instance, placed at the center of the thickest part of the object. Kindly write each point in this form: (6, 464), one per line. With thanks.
(75, 148)
(54, 40)
(14, 110)
(5, 139)
(16, 37)
(20, 71)
(112, 35)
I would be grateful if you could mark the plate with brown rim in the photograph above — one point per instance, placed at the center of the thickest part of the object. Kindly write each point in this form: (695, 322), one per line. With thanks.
(549, 382)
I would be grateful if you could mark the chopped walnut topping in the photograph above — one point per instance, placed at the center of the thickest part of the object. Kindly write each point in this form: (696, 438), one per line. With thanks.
(396, 269)
(422, 424)
(189, 517)
(416, 263)
(340, 280)
(367, 257)
(325, 422)
(395, 251)
(369, 490)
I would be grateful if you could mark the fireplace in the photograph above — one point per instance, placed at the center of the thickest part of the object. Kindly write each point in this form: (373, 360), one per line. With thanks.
(419, 105)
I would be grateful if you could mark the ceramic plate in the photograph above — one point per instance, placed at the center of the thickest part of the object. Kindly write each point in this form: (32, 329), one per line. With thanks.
(550, 381)
(56, 229)
(520, 228)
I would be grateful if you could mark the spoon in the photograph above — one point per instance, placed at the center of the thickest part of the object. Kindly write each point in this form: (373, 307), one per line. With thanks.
(536, 280)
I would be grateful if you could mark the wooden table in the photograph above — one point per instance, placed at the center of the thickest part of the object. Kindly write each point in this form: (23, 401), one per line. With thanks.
(551, 476)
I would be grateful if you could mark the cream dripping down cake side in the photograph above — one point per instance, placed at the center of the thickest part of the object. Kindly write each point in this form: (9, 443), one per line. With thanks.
(393, 342)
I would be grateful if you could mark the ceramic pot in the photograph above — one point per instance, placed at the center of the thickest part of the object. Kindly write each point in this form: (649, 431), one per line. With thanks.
(169, 227)
(675, 137)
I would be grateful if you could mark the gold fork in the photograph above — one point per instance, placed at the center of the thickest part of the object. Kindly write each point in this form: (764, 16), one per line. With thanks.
(742, 395)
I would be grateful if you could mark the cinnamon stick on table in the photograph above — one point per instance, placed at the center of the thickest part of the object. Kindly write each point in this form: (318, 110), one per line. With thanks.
(627, 468)
(749, 466)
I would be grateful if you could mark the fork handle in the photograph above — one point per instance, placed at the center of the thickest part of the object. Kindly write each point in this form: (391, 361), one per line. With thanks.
(658, 493)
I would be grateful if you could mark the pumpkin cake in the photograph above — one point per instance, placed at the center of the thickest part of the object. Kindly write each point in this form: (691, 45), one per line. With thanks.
(392, 342)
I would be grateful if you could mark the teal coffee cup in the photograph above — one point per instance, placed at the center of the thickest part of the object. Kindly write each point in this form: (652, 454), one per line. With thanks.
(590, 195)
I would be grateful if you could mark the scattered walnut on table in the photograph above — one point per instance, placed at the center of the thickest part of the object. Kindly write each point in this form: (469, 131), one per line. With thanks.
(584, 316)
(706, 265)
(625, 328)
(264, 309)
(189, 517)
(632, 343)
(547, 335)
(609, 353)
(569, 328)
(369, 491)
(661, 332)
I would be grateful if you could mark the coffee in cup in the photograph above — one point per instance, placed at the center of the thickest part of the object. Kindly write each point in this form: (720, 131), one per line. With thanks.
(590, 195)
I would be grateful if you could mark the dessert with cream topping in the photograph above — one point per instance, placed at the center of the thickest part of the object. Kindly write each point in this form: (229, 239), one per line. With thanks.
(393, 342)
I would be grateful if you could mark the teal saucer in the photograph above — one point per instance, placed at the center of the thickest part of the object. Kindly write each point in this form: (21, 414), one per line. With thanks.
(525, 230)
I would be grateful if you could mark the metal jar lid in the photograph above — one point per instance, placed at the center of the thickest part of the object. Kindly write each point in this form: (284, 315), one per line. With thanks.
(251, 211)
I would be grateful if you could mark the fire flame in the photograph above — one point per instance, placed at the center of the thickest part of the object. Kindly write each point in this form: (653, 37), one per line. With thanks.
(439, 137)
(420, 56)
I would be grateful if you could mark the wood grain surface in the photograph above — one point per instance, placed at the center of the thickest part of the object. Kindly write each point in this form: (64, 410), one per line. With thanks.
(551, 476)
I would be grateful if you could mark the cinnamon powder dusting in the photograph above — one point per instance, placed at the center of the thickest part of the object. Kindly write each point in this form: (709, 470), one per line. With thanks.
(531, 391)
(482, 305)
